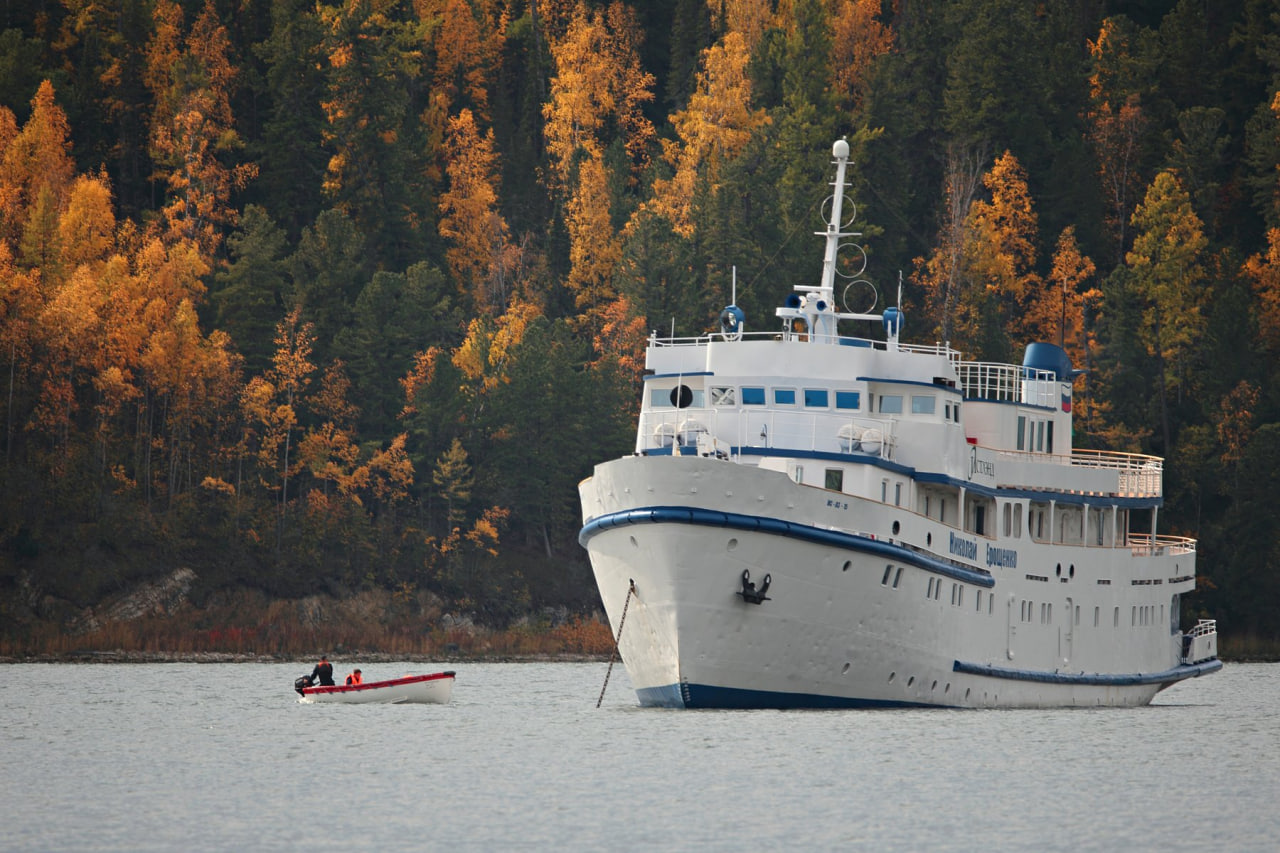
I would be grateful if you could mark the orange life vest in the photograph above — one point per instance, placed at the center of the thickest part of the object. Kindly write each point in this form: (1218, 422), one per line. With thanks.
(354, 678)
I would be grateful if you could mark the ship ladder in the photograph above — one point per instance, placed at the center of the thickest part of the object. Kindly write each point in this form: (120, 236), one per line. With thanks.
(614, 656)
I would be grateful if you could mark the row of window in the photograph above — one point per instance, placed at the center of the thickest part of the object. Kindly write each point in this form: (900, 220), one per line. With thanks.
(684, 397)
(1140, 616)
(1035, 434)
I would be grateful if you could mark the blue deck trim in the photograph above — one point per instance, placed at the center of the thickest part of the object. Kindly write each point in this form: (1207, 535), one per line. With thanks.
(884, 380)
(1125, 679)
(650, 376)
(696, 696)
(778, 527)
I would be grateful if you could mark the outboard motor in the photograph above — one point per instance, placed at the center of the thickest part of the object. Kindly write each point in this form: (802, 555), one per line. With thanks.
(300, 684)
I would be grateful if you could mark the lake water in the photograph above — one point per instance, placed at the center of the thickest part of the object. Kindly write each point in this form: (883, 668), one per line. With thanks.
(224, 757)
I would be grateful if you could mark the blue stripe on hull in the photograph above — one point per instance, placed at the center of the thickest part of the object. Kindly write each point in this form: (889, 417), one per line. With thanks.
(730, 698)
(1120, 679)
(778, 527)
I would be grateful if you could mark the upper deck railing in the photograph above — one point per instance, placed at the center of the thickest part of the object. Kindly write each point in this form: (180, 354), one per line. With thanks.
(800, 337)
(1006, 383)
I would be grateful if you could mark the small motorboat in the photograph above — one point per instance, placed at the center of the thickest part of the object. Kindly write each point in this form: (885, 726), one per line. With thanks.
(434, 689)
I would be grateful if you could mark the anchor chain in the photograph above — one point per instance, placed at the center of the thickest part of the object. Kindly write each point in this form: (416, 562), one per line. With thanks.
(612, 657)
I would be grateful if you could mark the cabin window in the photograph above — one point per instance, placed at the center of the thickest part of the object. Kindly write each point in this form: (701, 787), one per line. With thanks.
(1017, 522)
(955, 413)
(891, 404)
(923, 404)
(897, 494)
(1008, 519)
(897, 577)
(946, 411)
(884, 491)
(1048, 437)
(1096, 614)
(978, 604)
(848, 400)
(784, 396)
(888, 570)
(1022, 425)
(815, 398)
(834, 479)
(753, 396)
(723, 397)
(1040, 438)
(1115, 619)
(799, 474)
(929, 592)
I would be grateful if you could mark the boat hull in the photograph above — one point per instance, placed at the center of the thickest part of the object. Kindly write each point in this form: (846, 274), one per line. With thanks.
(851, 618)
(433, 689)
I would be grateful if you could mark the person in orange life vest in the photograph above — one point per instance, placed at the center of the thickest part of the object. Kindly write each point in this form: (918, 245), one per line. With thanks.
(355, 678)
(323, 672)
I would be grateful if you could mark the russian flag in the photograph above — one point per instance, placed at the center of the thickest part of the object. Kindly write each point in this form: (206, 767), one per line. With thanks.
(1066, 398)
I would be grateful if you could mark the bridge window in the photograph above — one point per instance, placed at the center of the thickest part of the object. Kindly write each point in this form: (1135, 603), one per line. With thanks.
(848, 400)
(753, 396)
(1022, 426)
(923, 404)
(891, 404)
(834, 479)
(784, 396)
(815, 398)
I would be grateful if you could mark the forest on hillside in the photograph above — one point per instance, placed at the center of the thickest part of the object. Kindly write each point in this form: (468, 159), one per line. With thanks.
(322, 296)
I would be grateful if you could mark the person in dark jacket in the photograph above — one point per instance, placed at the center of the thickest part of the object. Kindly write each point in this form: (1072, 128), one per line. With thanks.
(323, 672)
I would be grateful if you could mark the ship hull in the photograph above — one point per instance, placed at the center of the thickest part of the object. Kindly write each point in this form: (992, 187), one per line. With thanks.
(854, 615)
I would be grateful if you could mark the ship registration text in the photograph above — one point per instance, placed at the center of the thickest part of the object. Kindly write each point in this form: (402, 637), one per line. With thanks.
(968, 549)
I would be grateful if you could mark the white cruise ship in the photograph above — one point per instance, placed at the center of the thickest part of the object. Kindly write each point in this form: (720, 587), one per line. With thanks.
(815, 520)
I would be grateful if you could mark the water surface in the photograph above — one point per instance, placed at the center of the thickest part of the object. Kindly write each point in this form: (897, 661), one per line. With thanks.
(224, 757)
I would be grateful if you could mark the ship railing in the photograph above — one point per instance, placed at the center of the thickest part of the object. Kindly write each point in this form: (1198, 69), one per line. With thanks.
(672, 429)
(838, 340)
(1138, 475)
(1006, 383)
(1146, 545)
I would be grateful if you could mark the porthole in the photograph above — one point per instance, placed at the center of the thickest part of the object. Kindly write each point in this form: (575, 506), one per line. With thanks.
(896, 528)
(844, 669)
(634, 543)
(928, 539)
(947, 689)
(911, 681)
(1072, 570)
(966, 693)
(1058, 571)
(892, 676)
(934, 686)
(681, 396)
(733, 543)
(848, 564)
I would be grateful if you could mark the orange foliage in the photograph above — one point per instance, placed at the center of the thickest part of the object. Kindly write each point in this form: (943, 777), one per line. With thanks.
(857, 38)
(481, 255)
(714, 127)
(1263, 271)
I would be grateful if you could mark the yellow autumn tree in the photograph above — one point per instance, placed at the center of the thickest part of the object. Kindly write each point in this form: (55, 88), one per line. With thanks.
(747, 18)
(711, 130)
(596, 99)
(480, 255)
(1000, 260)
(857, 38)
(1263, 272)
(192, 127)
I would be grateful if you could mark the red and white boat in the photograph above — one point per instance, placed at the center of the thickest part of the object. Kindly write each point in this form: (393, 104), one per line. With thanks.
(433, 689)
